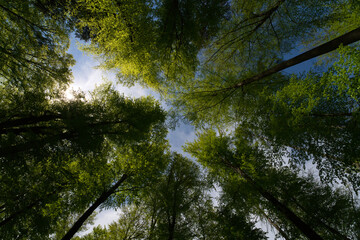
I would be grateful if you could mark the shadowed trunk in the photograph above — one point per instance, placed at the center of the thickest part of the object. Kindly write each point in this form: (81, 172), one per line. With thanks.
(274, 224)
(290, 215)
(345, 39)
(24, 210)
(321, 222)
(27, 120)
(103, 197)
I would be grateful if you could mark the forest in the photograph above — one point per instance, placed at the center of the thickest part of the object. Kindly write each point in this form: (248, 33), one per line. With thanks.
(272, 88)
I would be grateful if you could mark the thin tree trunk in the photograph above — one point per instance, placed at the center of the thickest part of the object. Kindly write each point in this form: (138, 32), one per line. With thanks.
(172, 229)
(345, 39)
(172, 222)
(25, 209)
(274, 224)
(288, 213)
(19, 212)
(28, 120)
(329, 228)
(103, 197)
(35, 144)
(153, 220)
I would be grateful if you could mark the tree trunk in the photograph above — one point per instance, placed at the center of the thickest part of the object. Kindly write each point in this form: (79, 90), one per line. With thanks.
(25, 209)
(172, 222)
(171, 229)
(317, 219)
(288, 213)
(28, 120)
(103, 197)
(345, 39)
(274, 224)
(35, 144)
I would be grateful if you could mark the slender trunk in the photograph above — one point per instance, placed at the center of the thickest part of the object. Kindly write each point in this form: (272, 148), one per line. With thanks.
(317, 219)
(171, 229)
(343, 114)
(103, 197)
(172, 222)
(288, 213)
(274, 224)
(17, 213)
(345, 39)
(25, 209)
(28, 120)
(53, 139)
(44, 129)
(153, 218)
(36, 144)
(30, 129)
(31, 24)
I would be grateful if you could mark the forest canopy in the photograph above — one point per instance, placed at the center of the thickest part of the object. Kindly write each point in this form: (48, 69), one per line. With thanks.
(271, 87)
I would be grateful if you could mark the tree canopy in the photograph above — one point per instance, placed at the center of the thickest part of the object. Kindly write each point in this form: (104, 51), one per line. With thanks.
(272, 88)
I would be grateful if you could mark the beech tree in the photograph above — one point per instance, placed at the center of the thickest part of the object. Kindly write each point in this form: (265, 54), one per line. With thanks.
(61, 154)
(151, 41)
(221, 65)
(236, 74)
(33, 47)
(241, 169)
(177, 207)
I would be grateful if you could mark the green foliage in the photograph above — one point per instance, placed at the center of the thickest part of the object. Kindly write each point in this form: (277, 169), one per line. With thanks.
(216, 152)
(33, 47)
(151, 41)
(178, 206)
(58, 156)
(161, 210)
(335, 91)
(69, 149)
(315, 203)
(132, 224)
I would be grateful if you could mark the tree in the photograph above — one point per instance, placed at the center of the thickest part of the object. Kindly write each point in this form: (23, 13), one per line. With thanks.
(68, 147)
(149, 41)
(170, 201)
(243, 172)
(177, 207)
(33, 47)
(178, 31)
(237, 73)
(219, 63)
(77, 125)
(311, 117)
(132, 224)
(142, 162)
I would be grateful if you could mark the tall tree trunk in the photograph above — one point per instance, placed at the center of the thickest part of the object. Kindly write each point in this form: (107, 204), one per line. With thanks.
(29, 120)
(35, 144)
(25, 209)
(288, 213)
(321, 222)
(274, 224)
(345, 39)
(103, 197)
(172, 222)
(172, 228)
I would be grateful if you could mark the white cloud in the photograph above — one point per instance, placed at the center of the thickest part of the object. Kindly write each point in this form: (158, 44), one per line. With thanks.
(103, 218)
(182, 134)
(106, 217)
